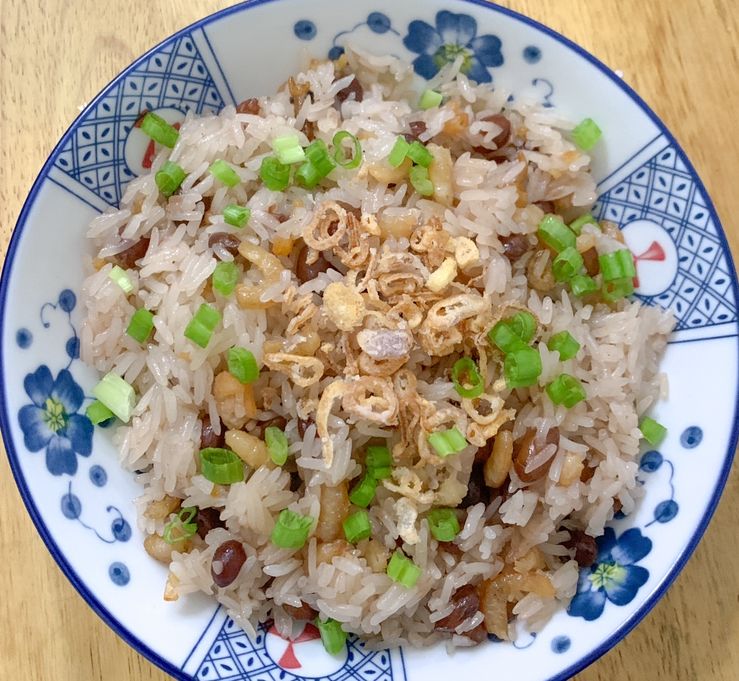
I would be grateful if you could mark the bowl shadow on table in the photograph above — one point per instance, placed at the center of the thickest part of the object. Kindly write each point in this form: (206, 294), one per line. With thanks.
(688, 635)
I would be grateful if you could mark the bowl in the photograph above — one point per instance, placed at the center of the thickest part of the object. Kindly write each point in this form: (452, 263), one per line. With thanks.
(82, 501)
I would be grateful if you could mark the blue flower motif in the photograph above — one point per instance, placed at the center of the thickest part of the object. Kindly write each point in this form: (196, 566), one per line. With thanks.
(454, 35)
(614, 576)
(52, 421)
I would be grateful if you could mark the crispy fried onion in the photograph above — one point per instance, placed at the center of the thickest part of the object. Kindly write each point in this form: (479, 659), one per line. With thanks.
(408, 484)
(327, 228)
(438, 342)
(431, 239)
(405, 383)
(407, 514)
(306, 315)
(249, 295)
(332, 393)
(454, 310)
(380, 367)
(405, 310)
(371, 398)
(302, 371)
(400, 273)
(487, 416)
(356, 250)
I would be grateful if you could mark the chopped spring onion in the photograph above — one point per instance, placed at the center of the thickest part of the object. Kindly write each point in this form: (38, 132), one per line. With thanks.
(225, 276)
(582, 284)
(120, 277)
(430, 99)
(617, 289)
(242, 364)
(446, 442)
(169, 178)
(288, 149)
(403, 570)
(318, 164)
(398, 152)
(236, 216)
(565, 344)
(567, 264)
(181, 527)
(556, 234)
(617, 265)
(276, 444)
(221, 466)
(504, 337)
(443, 524)
(159, 130)
(275, 175)
(117, 395)
(141, 324)
(652, 431)
(339, 153)
(307, 175)
(586, 134)
(333, 636)
(363, 492)
(379, 462)
(587, 219)
(357, 526)
(523, 325)
(201, 326)
(225, 173)
(566, 390)
(466, 378)
(419, 177)
(522, 367)
(420, 155)
(291, 530)
(98, 413)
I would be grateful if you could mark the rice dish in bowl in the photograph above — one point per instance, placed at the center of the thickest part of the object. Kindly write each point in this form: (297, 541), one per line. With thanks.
(380, 368)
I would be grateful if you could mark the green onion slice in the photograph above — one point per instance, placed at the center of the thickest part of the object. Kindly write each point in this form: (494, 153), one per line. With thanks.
(419, 154)
(653, 431)
(379, 462)
(200, 328)
(446, 442)
(577, 224)
(141, 325)
(291, 530)
(522, 367)
(277, 445)
(398, 152)
(586, 134)
(419, 177)
(504, 337)
(363, 492)
(288, 149)
(565, 344)
(567, 264)
(339, 154)
(181, 527)
(617, 265)
(523, 324)
(98, 413)
(224, 278)
(317, 153)
(236, 216)
(159, 130)
(556, 234)
(466, 378)
(430, 99)
(403, 570)
(566, 390)
(443, 524)
(333, 636)
(221, 466)
(225, 173)
(242, 364)
(617, 289)
(582, 284)
(117, 395)
(120, 277)
(275, 175)
(169, 178)
(357, 526)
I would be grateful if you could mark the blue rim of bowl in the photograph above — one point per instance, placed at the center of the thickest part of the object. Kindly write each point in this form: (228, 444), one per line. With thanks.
(13, 458)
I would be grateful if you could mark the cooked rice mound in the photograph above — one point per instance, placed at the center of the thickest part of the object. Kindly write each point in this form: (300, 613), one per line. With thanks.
(357, 298)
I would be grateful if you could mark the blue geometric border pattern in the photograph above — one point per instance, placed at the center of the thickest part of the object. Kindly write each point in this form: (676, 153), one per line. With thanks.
(233, 656)
(663, 191)
(176, 76)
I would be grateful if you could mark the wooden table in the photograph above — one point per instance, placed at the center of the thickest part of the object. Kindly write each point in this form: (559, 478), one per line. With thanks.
(680, 55)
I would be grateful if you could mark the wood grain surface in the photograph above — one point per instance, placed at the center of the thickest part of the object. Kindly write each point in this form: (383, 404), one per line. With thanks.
(680, 55)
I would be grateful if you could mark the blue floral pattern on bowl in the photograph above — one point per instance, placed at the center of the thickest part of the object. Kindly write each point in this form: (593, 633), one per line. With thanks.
(453, 35)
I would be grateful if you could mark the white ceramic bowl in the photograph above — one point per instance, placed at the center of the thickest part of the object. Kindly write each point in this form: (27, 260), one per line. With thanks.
(81, 501)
